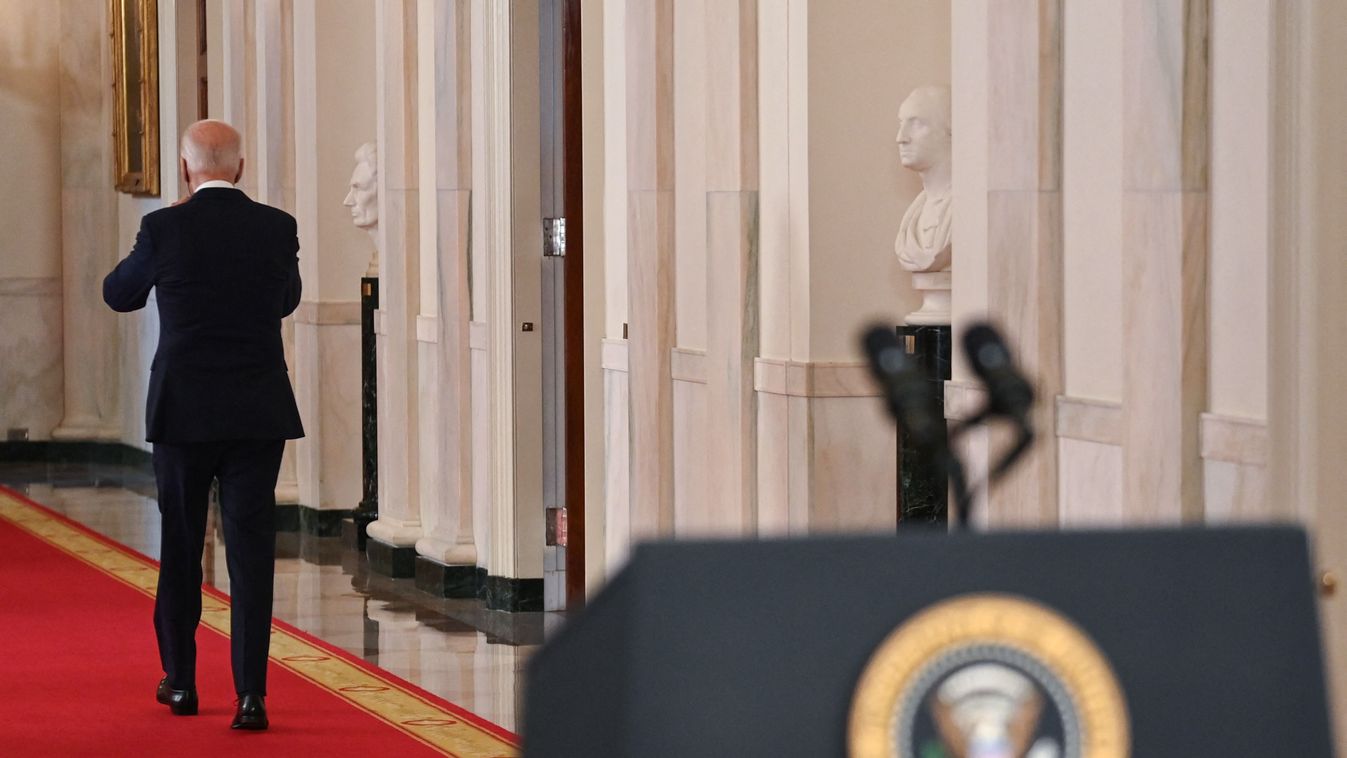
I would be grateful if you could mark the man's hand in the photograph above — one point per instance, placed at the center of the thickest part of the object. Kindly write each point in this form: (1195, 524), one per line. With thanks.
(182, 199)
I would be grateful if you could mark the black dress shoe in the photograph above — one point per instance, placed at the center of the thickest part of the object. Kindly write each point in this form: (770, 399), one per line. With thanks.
(252, 713)
(180, 702)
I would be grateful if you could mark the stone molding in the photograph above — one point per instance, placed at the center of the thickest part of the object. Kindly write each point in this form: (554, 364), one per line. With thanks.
(427, 329)
(1089, 420)
(478, 335)
(816, 380)
(30, 286)
(962, 399)
(1234, 440)
(328, 314)
(615, 356)
(689, 365)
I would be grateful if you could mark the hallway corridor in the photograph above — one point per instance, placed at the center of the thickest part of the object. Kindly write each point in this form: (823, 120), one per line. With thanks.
(453, 648)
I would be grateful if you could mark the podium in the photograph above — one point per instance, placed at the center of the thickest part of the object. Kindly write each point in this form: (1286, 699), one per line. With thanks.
(1184, 642)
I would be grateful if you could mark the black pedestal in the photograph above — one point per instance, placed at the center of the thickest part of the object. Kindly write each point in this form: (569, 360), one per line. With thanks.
(923, 485)
(368, 509)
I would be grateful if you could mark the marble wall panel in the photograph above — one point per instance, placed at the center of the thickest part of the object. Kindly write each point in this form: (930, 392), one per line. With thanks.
(1235, 453)
(339, 389)
(1235, 492)
(1164, 328)
(799, 465)
(650, 357)
(31, 394)
(617, 455)
(306, 368)
(431, 478)
(854, 466)
(697, 510)
(773, 468)
(733, 306)
(479, 439)
(1089, 483)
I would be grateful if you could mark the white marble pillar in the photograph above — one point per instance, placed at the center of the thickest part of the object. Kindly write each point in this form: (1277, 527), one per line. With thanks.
(1089, 411)
(616, 402)
(1165, 159)
(650, 172)
(399, 522)
(274, 168)
(1307, 344)
(732, 262)
(333, 113)
(1024, 232)
(1234, 434)
(492, 251)
(443, 323)
(90, 332)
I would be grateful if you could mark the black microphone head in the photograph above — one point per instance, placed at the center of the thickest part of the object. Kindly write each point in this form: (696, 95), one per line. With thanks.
(885, 353)
(907, 392)
(990, 358)
(985, 348)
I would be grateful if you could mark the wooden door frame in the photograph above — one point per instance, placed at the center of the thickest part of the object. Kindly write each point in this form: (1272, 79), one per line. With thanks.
(574, 298)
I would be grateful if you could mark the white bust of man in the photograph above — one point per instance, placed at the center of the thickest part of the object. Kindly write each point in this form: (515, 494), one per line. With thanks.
(923, 242)
(363, 199)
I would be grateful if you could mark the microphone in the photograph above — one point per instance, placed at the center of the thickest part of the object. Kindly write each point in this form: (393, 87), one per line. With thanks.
(907, 390)
(1009, 393)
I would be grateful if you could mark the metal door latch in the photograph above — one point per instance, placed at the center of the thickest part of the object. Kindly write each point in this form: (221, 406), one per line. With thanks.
(554, 237)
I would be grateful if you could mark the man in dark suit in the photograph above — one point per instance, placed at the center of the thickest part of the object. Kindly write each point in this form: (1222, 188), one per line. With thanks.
(225, 270)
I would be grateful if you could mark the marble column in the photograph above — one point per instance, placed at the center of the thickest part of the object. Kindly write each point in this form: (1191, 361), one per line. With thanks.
(274, 168)
(1024, 232)
(489, 331)
(1234, 434)
(89, 209)
(1165, 159)
(399, 523)
(446, 171)
(732, 261)
(650, 172)
(1306, 341)
(333, 95)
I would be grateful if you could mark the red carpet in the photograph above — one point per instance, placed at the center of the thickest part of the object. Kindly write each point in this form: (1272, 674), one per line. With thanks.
(80, 668)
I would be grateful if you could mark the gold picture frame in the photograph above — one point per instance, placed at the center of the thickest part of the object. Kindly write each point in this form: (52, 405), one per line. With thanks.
(135, 59)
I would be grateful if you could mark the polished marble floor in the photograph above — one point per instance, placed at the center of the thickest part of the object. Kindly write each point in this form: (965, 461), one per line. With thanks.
(454, 648)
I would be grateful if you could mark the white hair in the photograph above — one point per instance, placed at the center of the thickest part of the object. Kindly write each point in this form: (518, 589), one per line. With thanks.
(212, 147)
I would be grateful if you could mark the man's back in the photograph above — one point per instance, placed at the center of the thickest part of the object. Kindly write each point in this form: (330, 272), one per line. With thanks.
(225, 273)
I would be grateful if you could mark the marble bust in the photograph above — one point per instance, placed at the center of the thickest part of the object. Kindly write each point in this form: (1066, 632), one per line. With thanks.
(363, 198)
(923, 242)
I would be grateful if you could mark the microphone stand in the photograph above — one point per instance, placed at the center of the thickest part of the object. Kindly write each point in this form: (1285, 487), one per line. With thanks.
(964, 496)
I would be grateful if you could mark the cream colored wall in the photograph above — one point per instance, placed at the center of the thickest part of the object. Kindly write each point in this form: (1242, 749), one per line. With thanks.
(31, 372)
(1307, 342)
(30, 150)
(614, 44)
(968, 75)
(1092, 357)
(345, 118)
(593, 92)
(862, 63)
(690, 80)
(783, 218)
(1241, 164)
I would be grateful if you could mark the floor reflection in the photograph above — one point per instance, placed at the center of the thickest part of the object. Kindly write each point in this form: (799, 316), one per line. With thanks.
(453, 648)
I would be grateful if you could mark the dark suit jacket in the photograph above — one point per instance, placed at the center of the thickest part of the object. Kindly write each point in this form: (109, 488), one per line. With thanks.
(226, 272)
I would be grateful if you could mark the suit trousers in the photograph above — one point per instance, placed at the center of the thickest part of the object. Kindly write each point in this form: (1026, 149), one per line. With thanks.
(247, 471)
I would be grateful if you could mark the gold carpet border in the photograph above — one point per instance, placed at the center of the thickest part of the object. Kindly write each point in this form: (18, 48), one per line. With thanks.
(382, 698)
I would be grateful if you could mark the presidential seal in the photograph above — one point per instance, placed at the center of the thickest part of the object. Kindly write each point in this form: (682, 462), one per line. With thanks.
(988, 676)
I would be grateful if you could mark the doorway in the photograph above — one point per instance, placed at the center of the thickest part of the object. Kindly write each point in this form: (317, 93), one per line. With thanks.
(562, 304)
